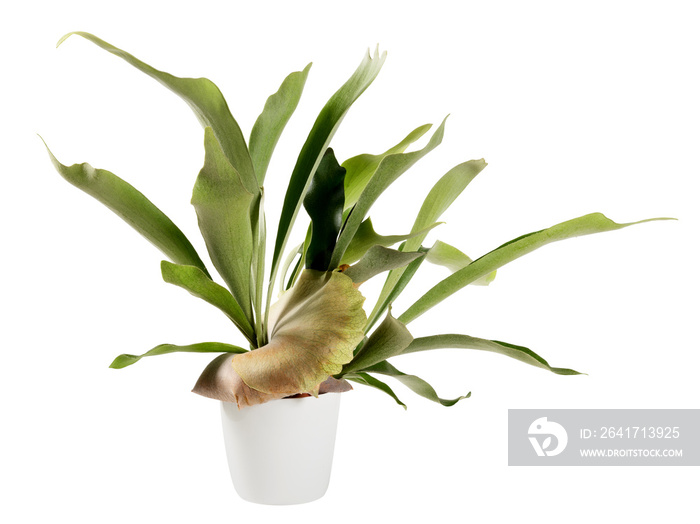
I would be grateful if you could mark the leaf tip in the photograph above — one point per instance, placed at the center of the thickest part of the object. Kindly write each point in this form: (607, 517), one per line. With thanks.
(64, 38)
(123, 361)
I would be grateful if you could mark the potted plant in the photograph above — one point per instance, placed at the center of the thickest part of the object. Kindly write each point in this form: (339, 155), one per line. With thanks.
(280, 385)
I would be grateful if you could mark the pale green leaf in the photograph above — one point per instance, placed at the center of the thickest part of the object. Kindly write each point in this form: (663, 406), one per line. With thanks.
(268, 128)
(361, 168)
(134, 208)
(223, 212)
(448, 256)
(439, 199)
(585, 225)
(520, 353)
(125, 360)
(201, 286)
(207, 102)
(390, 168)
(377, 260)
(366, 237)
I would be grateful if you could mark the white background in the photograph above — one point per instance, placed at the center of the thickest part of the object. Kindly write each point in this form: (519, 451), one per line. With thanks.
(576, 106)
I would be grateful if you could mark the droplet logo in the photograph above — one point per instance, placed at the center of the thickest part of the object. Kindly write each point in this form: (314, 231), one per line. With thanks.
(545, 430)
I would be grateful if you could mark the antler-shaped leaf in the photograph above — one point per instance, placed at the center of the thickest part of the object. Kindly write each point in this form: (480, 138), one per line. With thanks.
(520, 353)
(439, 199)
(207, 102)
(389, 170)
(274, 117)
(134, 208)
(201, 286)
(361, 168)
(125, 359)
(585, 225)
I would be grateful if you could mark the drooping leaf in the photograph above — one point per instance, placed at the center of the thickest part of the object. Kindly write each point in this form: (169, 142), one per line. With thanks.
(439, 199)
(125, 360)
(268, 128)
(368, 380)
(377, 260)
(361, 168)
(315, 146)
(314, 328)
(201, 286)
(391, 338)
(585, 225)
(520, 353)
(448, 256)
(134, 208)
(390, 168)
(223, 211)
(414, 383)
(324, 204)
(366, 237)
(207, 102)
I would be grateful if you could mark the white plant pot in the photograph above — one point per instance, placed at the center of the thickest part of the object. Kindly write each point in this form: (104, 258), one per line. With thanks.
(281, 452)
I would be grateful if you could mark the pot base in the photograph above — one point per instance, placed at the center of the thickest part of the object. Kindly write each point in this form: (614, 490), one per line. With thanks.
(281, 452)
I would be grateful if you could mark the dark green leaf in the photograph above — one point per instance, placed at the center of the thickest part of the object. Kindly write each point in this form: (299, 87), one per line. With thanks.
(125, 360)
(324, 204)
(201, 286)
(135, 209)
(520, 353)
(271, 122)
(207, 102)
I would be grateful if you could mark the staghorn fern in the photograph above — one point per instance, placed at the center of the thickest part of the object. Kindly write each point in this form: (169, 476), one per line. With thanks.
(317, 335)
